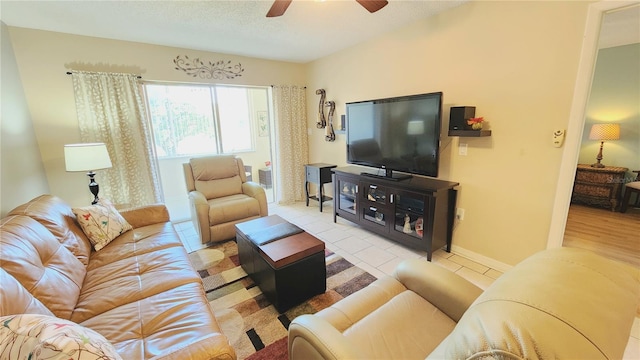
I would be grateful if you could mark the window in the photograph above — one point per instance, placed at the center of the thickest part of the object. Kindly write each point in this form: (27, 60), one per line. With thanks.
(233, 111)
(194, 119)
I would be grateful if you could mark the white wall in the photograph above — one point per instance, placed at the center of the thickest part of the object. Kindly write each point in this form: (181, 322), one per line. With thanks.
(22, 175)
(517, 63)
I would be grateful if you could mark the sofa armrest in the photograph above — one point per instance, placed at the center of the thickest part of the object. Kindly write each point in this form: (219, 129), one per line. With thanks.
(257, 192)
(311, 337)
(200, 214)
(447, 291)
(146, 215)
(215, 347)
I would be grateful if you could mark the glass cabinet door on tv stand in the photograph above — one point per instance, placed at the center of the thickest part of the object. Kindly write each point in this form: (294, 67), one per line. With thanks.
(410, 212)
(345, 197)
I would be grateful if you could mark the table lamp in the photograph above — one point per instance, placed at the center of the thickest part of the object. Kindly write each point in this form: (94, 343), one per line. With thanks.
(87, 157)
(603, 132)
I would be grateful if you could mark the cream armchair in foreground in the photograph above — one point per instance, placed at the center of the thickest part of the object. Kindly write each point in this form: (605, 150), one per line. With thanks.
(220, 196)
(558, 304)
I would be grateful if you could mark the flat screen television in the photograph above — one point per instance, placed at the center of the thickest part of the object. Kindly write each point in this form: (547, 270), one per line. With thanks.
(396, 134)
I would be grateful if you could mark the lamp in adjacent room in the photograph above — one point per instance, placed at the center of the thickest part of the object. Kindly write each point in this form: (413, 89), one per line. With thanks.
(603, 132)
(87, 157)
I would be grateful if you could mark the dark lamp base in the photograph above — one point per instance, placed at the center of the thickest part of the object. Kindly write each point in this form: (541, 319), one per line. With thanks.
(93, 187)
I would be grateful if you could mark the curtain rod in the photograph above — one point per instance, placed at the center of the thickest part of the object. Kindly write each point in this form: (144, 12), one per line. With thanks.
(71, 73)
(304, 87)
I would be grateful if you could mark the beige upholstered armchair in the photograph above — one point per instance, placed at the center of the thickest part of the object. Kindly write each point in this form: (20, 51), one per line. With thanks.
(220, 196)
(563, 303)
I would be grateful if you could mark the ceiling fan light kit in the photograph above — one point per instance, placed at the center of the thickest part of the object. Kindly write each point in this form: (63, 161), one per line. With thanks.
(280, 6)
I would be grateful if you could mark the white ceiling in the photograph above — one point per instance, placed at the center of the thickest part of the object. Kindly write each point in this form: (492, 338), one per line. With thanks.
(310, 29)
(307, 31)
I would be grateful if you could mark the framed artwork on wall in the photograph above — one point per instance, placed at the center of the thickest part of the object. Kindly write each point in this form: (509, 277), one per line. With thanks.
(263, 123)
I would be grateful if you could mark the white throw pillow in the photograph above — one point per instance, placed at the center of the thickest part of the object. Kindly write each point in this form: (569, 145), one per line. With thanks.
(35, 336)
(101, 223)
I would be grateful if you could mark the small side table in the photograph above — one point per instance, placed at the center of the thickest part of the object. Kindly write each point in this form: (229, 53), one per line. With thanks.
(319, 174)
(598, 186)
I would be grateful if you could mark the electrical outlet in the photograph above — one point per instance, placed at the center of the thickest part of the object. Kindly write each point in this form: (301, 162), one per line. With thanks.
(460, 214)
(462, 149)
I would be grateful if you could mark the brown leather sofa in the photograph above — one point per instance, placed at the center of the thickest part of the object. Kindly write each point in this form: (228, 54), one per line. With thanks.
(558, 304)
(220, 196)
(140, 291)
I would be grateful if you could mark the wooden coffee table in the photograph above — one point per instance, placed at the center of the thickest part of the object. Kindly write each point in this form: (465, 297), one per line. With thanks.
(287, 263)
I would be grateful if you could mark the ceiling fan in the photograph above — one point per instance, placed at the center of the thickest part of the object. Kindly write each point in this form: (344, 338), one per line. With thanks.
(280, 6)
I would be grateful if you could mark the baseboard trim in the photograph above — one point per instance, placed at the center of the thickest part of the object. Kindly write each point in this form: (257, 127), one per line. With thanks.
(486, 261)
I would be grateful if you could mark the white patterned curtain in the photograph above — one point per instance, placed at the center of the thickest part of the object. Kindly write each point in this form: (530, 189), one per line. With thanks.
(292, 146)
(111, 110)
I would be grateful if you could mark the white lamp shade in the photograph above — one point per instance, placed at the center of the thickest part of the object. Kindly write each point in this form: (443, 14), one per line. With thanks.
(86, 157)
(605, 132)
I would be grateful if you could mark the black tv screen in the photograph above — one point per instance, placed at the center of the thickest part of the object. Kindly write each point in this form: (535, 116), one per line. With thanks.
(396, 134)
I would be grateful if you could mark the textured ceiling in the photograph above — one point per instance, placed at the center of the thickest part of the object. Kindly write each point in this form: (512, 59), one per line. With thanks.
(307, 31)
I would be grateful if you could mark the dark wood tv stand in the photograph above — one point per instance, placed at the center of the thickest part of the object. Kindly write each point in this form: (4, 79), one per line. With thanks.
(416, 212)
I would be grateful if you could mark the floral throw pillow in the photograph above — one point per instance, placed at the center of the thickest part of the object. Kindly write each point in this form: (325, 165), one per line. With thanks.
(34, 336)
(101, 223)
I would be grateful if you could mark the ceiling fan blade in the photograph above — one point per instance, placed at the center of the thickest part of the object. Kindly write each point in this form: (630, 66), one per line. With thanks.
(373, 5)
(278, 8)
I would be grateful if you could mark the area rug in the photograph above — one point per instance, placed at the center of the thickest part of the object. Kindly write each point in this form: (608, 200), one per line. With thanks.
(254, 327)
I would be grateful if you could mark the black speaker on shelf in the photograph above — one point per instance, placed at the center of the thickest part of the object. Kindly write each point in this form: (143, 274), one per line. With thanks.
(458, 116)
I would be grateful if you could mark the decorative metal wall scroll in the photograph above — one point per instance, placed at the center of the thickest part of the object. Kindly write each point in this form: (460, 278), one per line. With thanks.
(329, 134)
(321, 120)
(209, 70)
(327, 124)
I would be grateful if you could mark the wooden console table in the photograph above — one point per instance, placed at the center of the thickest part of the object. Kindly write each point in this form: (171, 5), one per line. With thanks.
(598, 186)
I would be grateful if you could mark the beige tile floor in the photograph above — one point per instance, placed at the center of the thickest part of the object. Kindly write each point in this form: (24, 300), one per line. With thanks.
(376, 254)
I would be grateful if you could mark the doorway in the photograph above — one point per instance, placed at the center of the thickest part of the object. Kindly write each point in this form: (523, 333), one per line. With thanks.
(570, 221)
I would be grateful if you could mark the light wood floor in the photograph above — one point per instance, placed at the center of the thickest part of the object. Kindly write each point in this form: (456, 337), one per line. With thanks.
(613, 234)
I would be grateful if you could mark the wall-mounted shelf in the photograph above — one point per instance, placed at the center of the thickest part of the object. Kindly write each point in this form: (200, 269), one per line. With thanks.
(470, 133)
